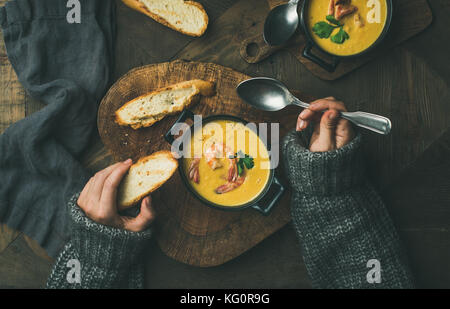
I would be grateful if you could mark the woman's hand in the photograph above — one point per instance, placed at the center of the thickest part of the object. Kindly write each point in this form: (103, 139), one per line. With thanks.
(330, 130)
(98, 200)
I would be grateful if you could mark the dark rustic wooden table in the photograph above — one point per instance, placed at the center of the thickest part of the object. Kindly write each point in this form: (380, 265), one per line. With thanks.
(411, 167)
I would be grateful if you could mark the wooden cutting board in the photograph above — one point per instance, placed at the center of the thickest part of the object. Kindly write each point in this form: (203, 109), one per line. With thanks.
(410, 18)
(186, 229)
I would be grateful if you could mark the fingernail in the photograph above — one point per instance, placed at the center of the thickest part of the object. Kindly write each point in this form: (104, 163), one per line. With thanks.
(300, 125)
(147, 203)
(128, 161)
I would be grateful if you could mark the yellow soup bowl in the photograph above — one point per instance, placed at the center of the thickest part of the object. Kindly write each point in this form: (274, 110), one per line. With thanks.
(260, 188)
(363, 30)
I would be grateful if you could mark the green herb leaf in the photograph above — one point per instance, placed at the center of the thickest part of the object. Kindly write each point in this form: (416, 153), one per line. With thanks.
(244, 161)
(323, 29)
(333, 20)
(248, 161)
(240, 169)
(340, 37)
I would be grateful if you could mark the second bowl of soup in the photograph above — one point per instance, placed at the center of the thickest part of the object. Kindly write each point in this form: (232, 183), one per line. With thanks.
(344, 28)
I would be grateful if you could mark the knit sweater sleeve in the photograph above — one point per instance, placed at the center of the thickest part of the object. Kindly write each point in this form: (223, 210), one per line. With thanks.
(98, 256)
(345, 230)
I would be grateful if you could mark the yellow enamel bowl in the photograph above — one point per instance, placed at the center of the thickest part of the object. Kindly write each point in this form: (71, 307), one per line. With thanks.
(361, 39)
(261, 189)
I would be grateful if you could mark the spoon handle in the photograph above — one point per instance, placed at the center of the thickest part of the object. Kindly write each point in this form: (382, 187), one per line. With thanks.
(372, 122)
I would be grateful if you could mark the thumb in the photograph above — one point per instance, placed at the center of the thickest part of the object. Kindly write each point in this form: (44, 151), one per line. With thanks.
(328, 125)
(143, 220)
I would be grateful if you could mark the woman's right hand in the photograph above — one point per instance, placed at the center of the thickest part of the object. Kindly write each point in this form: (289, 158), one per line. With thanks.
(330, 130)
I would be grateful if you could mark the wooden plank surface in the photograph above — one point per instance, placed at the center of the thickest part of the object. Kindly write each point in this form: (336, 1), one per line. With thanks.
(410, 85)
(419, 200)
(12, 94)
(158, 43)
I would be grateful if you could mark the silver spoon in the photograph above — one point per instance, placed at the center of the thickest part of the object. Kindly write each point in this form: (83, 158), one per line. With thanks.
(271, 95)
(281, 23)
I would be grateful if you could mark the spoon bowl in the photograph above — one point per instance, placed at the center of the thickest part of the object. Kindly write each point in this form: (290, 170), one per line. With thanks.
(264, 93)
(281, 23)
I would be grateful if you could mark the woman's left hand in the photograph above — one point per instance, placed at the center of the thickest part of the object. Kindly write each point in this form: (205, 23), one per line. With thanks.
(98, 200)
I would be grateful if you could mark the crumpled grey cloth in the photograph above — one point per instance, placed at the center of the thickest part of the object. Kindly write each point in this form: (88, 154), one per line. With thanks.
(67, 67)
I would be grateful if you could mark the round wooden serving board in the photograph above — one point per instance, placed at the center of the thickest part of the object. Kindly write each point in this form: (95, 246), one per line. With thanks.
(186, 229)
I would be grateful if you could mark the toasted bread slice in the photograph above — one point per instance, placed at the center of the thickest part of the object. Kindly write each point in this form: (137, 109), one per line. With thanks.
(145, 110)
(187, 17)
(145, 176)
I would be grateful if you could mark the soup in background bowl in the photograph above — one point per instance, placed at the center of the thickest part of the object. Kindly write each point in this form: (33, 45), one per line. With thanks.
(349, 28)
(363, 26)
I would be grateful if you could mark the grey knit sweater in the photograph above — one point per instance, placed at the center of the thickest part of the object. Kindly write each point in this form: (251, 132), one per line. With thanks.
(108, 257)
(340, 219)
(341, 222)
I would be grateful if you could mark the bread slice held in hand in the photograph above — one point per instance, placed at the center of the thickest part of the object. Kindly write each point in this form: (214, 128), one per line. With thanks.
(187, 17)
(149, 108)
(145, 176)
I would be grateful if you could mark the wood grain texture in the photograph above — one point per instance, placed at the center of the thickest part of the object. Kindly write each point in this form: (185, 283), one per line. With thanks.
(189, 231)
(7, 236)
(410, 18)
(12, 98)
(275, 263)
(221, 44)
(20, 267)
(419, 198)
(12, 94)
(150, 41)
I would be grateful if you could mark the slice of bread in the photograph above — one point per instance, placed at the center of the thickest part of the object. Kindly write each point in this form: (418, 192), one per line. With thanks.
(145, 110)
(145, 176)
(187, 17)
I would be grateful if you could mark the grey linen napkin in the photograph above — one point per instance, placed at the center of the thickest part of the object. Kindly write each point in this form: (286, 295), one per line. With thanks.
(67, 67)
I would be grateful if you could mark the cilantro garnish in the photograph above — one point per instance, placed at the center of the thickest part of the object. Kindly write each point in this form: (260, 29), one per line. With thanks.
(333, 20)
(340, 37)
(324, 30)
(245, 161)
